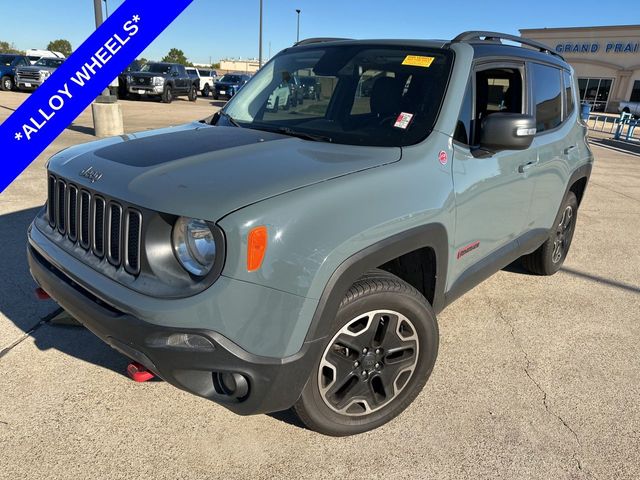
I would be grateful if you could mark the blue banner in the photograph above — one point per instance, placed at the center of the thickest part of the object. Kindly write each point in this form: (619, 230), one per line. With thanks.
(79, 80)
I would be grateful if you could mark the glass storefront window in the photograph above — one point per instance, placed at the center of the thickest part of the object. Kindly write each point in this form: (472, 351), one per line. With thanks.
(595, 91)
(635, 93)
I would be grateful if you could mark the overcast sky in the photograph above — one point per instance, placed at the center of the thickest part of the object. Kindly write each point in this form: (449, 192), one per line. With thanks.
(213, 29)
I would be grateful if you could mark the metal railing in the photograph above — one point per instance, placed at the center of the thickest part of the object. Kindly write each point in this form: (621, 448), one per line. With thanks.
(622, 127)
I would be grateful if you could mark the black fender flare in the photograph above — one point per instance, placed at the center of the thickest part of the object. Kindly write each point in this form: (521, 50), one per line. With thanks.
(433, 235)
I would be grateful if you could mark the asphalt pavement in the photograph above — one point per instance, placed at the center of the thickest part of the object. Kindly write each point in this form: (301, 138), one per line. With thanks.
(536, 377)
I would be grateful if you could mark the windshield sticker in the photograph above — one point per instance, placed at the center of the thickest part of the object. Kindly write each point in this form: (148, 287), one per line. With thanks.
(418, 61)
(403, 120)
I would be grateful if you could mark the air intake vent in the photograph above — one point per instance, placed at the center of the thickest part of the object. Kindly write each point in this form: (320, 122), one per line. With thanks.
(98, 227)
(85, 218)
(51, 201)
(73, 211)
(132, 244)
(60, 206)
(115, 234)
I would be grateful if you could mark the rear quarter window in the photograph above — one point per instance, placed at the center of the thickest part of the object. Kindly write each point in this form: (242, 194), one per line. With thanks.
(547, 96)
(568, 94)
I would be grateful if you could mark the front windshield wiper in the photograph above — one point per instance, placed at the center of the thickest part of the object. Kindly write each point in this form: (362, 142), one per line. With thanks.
(295, 133)
(232, 120)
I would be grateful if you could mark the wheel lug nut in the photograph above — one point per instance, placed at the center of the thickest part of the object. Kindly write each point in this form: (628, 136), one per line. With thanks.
(365, 373)
(378, 351)
(377, 366)
(365, 350)
(356, 364)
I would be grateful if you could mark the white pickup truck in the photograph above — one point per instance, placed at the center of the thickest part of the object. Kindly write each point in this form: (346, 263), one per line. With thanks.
(630, 107)
(207, 78)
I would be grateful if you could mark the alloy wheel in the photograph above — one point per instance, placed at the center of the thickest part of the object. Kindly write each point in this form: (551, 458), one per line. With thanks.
(368, 362)
(563, 234)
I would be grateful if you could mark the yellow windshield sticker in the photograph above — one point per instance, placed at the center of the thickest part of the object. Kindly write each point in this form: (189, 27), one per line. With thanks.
(418, 61)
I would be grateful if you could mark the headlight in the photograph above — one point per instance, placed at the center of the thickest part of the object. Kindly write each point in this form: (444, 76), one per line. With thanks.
(45, 73)
(194, 245)
(158, 81)
(129, 79)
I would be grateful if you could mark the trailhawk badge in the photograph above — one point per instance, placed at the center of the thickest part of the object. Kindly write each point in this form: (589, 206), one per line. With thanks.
(91, 174)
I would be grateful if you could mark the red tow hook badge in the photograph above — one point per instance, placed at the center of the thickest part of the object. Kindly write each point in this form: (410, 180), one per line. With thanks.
(138, 373)
(41, 294)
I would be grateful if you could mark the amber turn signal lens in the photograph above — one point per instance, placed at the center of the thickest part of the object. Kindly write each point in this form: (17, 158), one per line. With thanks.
(256, 248)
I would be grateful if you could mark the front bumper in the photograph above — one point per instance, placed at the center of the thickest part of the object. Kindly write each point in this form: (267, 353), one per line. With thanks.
(274, 384)
(27, 83)
(146, 90)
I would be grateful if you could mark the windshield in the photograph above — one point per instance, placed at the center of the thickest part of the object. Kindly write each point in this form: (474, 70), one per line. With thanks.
(363, 94)
(230, 78)
(49, 62)
(6, 60)
(156, 68)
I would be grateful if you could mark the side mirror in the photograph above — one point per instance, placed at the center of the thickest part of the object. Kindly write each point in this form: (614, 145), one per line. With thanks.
(507, 131)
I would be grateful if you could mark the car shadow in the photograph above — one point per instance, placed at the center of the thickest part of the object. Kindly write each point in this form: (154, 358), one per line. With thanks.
(218, 103)
(632, 147)
(20, 306)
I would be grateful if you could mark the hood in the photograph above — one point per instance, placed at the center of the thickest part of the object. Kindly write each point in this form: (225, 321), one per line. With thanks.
(227, 84)
(207, 172)
(146, 74)
(34, 68)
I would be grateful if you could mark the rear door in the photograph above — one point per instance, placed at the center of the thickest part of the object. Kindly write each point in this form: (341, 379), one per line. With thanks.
(493, 191)
(557, 140)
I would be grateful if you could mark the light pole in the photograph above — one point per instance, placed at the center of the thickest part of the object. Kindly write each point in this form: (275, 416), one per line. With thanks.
(298, 35)
(260, 40)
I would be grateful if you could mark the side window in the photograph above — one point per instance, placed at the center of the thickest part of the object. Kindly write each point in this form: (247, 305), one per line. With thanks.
(497, 90)
(569, 103)
(547, 96)
(181, 70)
(635, 93)
(463, 127)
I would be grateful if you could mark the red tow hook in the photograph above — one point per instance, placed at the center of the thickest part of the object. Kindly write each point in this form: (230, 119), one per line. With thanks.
(138, 373)
(41, 294)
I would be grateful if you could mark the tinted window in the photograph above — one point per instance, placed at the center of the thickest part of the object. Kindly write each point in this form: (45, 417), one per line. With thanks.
(497, 90)
(231, 79)
(204, 73)
(49, 62)
(568, 94)
(371, 95)
(6, 60)
(547, 95)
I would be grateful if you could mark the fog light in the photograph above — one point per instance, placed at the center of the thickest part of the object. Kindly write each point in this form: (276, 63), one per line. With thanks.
(183, 341)
(233, 384)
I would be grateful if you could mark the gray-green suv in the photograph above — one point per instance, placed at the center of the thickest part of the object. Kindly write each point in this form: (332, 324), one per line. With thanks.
(298, 258)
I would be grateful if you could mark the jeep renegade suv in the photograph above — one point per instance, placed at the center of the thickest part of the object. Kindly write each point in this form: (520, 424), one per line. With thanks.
(298, 258)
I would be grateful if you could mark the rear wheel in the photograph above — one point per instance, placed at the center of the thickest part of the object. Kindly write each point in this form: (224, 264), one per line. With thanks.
(6, 83)
(167, 95)
(550, 256)
(206, 90)
(193, 94)
(383, 347)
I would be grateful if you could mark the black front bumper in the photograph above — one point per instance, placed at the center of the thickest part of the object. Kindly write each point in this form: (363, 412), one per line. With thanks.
(274, 383)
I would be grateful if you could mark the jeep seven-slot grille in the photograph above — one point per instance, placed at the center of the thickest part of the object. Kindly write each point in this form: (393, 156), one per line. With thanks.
(104, 227)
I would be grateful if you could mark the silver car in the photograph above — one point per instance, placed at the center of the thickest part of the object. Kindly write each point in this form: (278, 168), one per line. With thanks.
(28, 78)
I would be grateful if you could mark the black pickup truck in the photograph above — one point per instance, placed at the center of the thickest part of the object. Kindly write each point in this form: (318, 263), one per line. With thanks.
(166, 80)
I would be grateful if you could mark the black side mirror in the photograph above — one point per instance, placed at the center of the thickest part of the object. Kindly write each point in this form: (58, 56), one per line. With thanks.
(507, 131)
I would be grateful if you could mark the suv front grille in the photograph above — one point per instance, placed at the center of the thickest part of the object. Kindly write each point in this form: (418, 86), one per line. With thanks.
(104, 227)
(29, 75)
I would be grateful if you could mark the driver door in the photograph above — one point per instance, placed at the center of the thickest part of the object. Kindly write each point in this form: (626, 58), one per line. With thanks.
(492, 191)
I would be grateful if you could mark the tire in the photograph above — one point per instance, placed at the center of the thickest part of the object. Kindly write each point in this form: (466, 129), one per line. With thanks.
(401, 333)
(6, 83)
(167, 95)
(215, 96)
(193, 94)
(550, 256)
(206, 90)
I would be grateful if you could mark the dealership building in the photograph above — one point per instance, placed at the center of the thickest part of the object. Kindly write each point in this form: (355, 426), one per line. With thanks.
(606, 61)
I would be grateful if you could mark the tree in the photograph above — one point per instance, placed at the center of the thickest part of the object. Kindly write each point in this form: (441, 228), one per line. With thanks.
(6, 47)
(176, 55)
(215, 66)
(62, 46)
(142, 61)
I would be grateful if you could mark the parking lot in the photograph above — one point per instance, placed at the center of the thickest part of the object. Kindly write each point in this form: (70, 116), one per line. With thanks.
(537, 377)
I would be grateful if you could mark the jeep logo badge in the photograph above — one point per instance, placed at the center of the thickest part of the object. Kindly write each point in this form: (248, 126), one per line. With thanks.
(91, 174)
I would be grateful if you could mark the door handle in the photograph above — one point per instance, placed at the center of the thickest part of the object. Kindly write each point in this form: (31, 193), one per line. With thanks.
(524, 167)
(568, 150)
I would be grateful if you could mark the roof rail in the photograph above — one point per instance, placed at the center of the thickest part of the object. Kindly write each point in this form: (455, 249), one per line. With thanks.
(496, 37)
(309, 41)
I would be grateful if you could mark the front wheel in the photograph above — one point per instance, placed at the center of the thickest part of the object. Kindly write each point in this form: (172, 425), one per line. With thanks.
(550, 256)
(206, 90)
(6, 83)
(384, 344)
